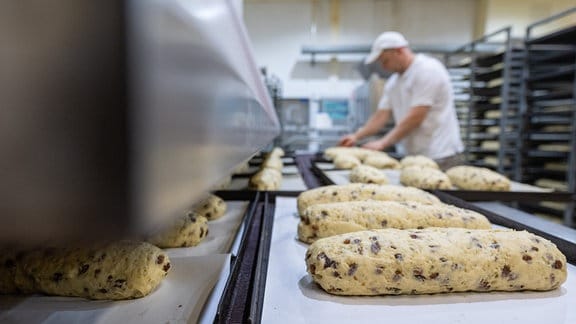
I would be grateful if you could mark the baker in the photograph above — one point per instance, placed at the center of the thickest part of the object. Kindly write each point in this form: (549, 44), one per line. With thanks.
(419, 97)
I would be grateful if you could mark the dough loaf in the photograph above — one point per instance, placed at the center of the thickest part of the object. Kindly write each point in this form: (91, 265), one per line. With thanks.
(188, 230)
(323, 220)
(344, 161)
(273, 162)
(362, 191)
(277, 151)
(419, 160)
(424, 178)
(476, 178)
(434, 260)
(367, 174)
(121, 270)
(266, 179)
(212, 207)
(381, 161)
(361, 153)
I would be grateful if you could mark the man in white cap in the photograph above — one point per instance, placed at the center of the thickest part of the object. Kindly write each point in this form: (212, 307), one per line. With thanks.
(419, 96)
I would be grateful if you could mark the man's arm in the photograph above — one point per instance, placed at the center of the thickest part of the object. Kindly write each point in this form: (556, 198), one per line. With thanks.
(403, 128)
(372, 126)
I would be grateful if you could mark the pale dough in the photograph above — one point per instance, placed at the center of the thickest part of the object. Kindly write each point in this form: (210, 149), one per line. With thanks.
(434, 260)
(362, 191)
(329, 219)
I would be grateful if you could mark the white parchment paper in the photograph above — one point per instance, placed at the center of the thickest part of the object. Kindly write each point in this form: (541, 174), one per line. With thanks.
(292, 297)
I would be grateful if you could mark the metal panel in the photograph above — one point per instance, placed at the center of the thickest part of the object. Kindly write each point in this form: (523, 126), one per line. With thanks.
(63, 130)
(110, 129)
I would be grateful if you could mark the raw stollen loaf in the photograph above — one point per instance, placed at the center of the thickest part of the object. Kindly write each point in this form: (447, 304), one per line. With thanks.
(434, 260)
(266, 179)
(212, 207)
(367, 174)
(361, 153)
(381, 161)
(120, 270)
(424, 178)
(419, 160)
(273, 162)
(344, 161)
(362, 191)
(323, 220)
(188, 230)
(476, 178)
(277, 152)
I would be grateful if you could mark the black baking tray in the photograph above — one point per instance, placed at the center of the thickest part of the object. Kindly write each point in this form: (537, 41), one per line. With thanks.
(478, 195)
(235, 300)
(253, 312)
(243, 297)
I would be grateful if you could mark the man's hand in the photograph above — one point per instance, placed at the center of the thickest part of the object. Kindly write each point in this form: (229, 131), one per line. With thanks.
(348, 140)
(377, 145)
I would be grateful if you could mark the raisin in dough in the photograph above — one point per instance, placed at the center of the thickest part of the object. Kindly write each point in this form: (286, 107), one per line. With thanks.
(368, 174)
(476, 178)
(330, 219)
(212, 207)
(419, 160)
(362, 191)
(120, 270)
(424, 178)
(188, 230)
(434, 260)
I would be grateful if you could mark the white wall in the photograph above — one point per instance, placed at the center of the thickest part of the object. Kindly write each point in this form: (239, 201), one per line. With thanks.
(520, 13)
(279, 28)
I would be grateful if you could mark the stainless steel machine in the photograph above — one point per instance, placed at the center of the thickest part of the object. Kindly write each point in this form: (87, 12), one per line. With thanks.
(117, 115)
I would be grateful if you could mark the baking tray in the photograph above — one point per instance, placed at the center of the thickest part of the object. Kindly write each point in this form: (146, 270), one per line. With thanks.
(269, 281)
(291, 176)
(290, 182)
(181, 297)
(519, 191)
(291, 296)
(177, 299)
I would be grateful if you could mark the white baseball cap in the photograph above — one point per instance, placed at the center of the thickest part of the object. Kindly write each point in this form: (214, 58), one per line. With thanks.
(386, 40)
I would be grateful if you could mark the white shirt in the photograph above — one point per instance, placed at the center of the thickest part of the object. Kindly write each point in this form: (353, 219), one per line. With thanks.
(426, 82)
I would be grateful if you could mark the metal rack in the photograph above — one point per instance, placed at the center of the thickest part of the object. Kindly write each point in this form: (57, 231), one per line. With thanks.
(243, 298)
(549, 111)
(486, 76)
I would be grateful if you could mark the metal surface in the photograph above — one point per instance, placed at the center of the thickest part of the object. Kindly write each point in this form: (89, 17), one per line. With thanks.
(63, 119)
(540, 76)
(109, 129)
(487, 67)
(203, 107)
